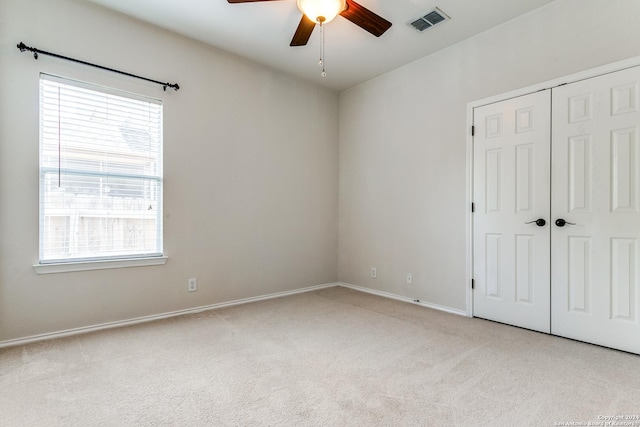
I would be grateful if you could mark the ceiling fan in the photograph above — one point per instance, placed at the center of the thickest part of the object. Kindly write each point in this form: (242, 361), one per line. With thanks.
(322, 11)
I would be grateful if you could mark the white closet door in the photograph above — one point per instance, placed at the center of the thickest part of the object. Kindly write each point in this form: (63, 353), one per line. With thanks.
(511, 191)
(596, 186)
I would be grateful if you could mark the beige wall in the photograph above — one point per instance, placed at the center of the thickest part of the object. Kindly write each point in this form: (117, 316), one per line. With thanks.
(250, 163)
(403, 141)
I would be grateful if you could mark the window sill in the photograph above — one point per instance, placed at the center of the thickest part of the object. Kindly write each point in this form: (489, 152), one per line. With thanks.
(65, 267)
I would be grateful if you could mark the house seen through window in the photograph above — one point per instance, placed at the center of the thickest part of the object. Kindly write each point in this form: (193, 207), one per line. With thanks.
(100, 173)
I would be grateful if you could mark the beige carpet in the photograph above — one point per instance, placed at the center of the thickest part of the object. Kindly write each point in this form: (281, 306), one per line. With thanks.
(333, 357)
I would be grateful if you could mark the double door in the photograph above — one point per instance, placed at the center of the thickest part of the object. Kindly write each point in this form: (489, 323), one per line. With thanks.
(557, 211)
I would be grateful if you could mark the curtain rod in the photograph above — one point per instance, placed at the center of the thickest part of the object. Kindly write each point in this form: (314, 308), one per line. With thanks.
(23, 47)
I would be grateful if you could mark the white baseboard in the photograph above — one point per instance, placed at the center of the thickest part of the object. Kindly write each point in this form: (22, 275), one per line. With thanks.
(404, 299)
(134, 321)
(144, 319)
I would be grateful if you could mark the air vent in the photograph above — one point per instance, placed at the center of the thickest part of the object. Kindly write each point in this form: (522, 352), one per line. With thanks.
(428, 20)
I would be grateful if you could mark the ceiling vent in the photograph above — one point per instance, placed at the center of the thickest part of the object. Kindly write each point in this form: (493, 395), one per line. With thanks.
(429, 20)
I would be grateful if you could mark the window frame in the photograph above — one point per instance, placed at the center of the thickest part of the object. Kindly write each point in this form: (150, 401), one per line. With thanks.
(104, 260)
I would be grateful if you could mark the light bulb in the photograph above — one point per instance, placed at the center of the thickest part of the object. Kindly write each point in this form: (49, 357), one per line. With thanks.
(321, 10)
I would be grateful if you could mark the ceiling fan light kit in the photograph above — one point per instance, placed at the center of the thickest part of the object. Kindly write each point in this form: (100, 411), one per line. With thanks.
(321, 11)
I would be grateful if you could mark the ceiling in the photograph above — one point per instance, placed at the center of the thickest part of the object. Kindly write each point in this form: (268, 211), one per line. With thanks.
(262, 30)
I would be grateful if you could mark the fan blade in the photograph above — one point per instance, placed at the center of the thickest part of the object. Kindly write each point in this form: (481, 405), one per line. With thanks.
(365, 19)
(246, 1)
(305, 28)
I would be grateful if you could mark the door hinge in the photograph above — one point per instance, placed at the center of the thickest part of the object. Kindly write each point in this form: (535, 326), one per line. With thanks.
(473, 207)
(473, 284)
(473, 130)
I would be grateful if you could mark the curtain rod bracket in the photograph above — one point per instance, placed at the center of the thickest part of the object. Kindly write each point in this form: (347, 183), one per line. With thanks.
(23, 47)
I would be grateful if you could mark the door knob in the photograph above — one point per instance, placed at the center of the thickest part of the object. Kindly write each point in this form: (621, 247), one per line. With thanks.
(561, 222)
(539, 222)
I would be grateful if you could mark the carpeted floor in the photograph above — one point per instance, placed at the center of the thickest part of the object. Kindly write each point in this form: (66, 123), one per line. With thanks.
(334, 357)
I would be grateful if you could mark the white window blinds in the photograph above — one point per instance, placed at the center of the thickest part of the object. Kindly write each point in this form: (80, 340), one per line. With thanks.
(100, 173)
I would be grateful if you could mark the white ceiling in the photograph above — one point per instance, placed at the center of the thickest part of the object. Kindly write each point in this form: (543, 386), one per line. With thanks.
(262, 31)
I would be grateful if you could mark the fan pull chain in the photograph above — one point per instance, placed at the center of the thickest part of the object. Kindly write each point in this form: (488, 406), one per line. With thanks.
(321, 62)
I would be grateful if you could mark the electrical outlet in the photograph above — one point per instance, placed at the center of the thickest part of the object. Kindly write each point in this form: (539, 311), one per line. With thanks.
(409, 278)
(374, 273)
(192, 285)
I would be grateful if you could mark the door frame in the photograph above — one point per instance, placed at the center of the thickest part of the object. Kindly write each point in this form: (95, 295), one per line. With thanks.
(549, 84)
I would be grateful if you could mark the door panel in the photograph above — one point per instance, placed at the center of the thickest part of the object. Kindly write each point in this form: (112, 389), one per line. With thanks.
(596, 186)
(511, 187)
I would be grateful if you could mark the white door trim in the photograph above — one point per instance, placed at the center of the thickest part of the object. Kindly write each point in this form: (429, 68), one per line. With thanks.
(571, 78)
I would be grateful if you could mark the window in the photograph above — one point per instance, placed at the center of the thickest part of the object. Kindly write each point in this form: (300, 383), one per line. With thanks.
(100, 173)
